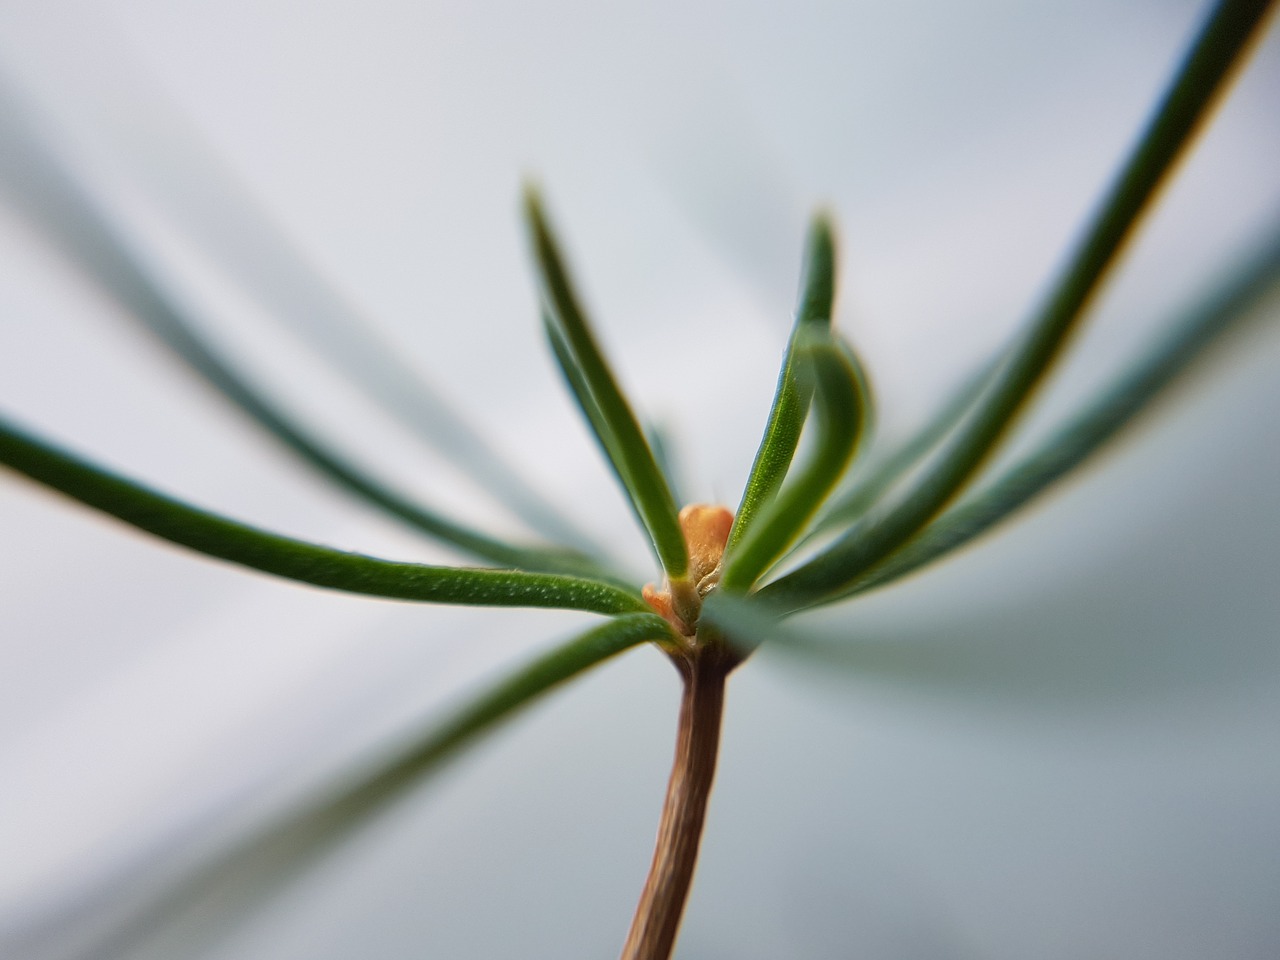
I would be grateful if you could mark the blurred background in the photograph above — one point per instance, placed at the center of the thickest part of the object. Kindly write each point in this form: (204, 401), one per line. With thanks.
(1076, 757)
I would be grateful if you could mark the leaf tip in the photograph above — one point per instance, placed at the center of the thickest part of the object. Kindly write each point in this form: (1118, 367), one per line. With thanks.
(818, 286)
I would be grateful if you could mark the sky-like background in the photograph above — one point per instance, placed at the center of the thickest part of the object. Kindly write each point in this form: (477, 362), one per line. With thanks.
(1076, 757)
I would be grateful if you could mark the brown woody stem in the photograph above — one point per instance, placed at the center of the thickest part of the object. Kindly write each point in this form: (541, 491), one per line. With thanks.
(657, 919)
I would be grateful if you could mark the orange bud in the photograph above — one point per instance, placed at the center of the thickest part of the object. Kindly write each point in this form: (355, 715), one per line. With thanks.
(706, 531)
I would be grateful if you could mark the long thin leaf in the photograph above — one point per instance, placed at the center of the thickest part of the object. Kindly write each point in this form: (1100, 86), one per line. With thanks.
(216, 536)
(841, 407)
(941, 665)
(617, 426)
(590, 410)
(662, 441)
(579, 389)
(1073, 444)
(1026, 660)
(1200, 79)
(864, 489)
(57, 204)
(791, 398)
(869, 411)
(243, 874)
(45, 181)
(749, 622)
(746, 622)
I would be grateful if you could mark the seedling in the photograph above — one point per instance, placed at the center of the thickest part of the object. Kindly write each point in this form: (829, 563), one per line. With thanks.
(848, 517)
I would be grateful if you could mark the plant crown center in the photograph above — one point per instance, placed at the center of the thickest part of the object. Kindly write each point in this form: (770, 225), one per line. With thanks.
(706, 531)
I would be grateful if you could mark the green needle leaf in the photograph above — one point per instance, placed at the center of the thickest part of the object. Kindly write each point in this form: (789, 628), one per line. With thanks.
(1088, 431)
(44, 181)
(602, 400)
(745, 622)
(56, 200)
(865, 488)
(842, 405)
(663, 444)
(547, 672)
(791, 399)
(216, 536)
(581, 393)
(1200, 79)
(937, 665)
(262, 860)
(606, 439)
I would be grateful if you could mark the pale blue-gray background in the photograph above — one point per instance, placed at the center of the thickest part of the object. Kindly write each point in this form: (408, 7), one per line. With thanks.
(1087, 763)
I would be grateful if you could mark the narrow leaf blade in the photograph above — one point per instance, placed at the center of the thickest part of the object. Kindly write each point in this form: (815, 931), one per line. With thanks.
(237, 876)
(238, 543)
(841, 405)
(663, 443)
(622, 437)
(50, 189)
(605, 438)
(865, 489)
(1200, 79)
(791, 399)
(54, 199)
(1085, 434)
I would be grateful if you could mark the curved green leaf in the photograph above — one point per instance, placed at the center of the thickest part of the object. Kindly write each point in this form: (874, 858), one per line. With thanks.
(663, 443)
(744, 622)
(216, 536)
(57, 202)
(863, 489)
(48, 188)
(242, 874)
(597, 390)
(842, 404)
(1083, 435)
(791, 398)
(606, 439)
(1200, 79)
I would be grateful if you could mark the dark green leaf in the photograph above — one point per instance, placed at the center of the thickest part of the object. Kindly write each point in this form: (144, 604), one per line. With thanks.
(1200, 79)
(243, 875)
(613, 420)
(744, 622)
(663, 444)
(791, 399)
(581, 393)
(865, 488)
(225, 539)
(841, 405)
(48, 191)
(44, 182)
(547, 672)
(1084, 434)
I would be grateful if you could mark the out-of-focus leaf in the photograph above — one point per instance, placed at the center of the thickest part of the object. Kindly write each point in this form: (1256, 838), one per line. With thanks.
(1202, 76)
(220, 215)
(57, 202)
(863, 489)
(662, 442)
(246, 872)
(1114, 410)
